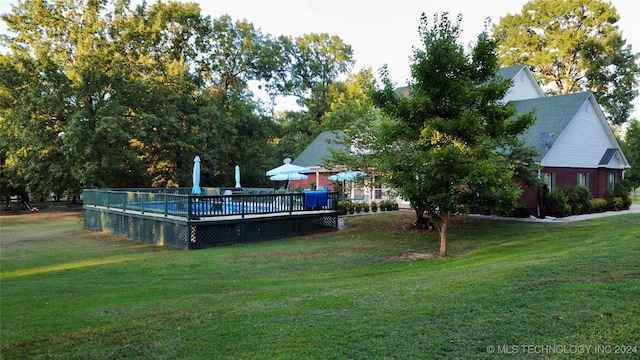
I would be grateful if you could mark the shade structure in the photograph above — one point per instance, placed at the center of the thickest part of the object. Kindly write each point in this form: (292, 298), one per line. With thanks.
(196, 176)
(238, 177)
(290, 176)
(288, 168)
(347, 175)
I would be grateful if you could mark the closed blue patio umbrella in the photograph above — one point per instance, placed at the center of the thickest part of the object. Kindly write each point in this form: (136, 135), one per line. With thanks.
(238, 177)
(196, 177)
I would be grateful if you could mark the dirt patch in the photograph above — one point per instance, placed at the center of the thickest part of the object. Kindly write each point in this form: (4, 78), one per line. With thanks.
(412, 257)
(37, 233)
(42, 215)
(46, 235)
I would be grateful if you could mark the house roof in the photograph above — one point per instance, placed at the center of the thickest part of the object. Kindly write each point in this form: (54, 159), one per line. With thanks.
(510, 72)
(524, 84)
(608, 155)
(402, 91)
(319, 149)
(553, 114)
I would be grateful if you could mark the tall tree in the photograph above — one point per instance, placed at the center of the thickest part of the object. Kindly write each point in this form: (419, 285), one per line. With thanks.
(631, 147)
(349, 100)
(237, 53)
(162, 45)
(68, 72)
(445, 147)
(312, 63)
(572, 46)
(311, 70)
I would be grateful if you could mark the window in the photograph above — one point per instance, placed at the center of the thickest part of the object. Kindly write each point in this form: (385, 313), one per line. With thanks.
(550, 180)
(611, 181)
(377, 194)
(582, 179)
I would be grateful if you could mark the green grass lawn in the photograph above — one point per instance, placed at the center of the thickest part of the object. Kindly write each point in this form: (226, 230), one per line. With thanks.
(535, 291)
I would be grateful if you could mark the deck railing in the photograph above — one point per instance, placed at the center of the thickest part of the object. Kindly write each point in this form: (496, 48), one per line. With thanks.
(180, 203)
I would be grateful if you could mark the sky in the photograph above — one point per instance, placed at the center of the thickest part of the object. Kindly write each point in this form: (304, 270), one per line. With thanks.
(380, 32)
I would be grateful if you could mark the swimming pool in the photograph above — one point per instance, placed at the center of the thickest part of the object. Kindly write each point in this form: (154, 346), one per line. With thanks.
(206, 207)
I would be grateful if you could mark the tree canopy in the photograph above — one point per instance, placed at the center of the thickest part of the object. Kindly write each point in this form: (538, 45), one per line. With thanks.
(573, 46)
(631, 148)
(94, 93)
(446, 145)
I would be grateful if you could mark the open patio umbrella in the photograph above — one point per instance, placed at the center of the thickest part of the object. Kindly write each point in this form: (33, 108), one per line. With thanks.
(288, 168)
(290, 176)
(238, 177)
(347, 175)
(196, 176)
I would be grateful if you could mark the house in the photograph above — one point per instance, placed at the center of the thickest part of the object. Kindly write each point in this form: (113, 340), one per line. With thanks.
(313, 156)
(524, 84)
(575, 143)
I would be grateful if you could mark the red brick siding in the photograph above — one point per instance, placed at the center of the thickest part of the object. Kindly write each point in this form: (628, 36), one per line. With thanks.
(567, 177)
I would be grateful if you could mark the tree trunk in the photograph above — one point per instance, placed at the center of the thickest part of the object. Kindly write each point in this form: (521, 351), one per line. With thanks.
(420, 220)
(443, 234)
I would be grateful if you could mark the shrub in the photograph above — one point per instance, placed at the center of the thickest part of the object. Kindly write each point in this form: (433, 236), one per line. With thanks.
(617, 204)
(374, 206)
(365, 208)
(622, 194)
(598, 205)
(558, 204)
(578, 198)
(394, 205)
(623, 191)
(387, 205)
(520, 211)
(343, 207)
(358, 207)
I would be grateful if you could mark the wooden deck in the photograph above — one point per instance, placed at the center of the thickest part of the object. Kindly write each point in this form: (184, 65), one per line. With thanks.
(236, 217)
(190, 234)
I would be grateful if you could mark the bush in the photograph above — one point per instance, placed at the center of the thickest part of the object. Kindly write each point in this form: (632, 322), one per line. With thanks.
(619, 198)
(374, 206)
(558, 204)
(388, 205)
(358, 207)
(365, 208)
(617, 204)
(343, 207)
(520, 211)
(578, 198)
(598, 205)
(623, 191)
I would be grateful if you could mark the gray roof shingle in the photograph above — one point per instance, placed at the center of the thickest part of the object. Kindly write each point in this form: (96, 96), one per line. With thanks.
(553, 114)
(510, 72)
(318, 150)
(608, 155)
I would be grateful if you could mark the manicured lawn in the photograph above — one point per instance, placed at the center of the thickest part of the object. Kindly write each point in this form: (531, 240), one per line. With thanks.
(535, 290)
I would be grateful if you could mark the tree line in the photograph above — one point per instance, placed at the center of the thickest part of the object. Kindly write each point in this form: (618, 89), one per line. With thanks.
(95, 93)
